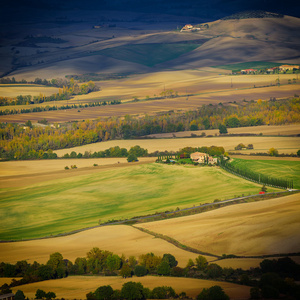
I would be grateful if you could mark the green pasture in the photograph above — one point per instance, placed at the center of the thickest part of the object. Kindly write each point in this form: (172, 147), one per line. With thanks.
(63, 205)
(249, 65)
(147, 54)
(274, 168)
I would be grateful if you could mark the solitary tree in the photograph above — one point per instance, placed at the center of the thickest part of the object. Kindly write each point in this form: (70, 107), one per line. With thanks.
(273, 152)
(201, 263)
(19, 295)
(222, 129)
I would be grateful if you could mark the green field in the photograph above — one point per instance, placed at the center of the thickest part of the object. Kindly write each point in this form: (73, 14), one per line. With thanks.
(248, 65)
(54, 207)
(274, 168)
(147, 54)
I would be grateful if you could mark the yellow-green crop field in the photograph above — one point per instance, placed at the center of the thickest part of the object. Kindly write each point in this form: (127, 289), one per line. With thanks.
(66, 204)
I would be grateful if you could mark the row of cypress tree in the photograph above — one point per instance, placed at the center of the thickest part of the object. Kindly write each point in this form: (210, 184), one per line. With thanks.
(256, 177)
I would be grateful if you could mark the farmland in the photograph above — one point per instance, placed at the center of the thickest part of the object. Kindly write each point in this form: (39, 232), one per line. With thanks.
(276, 168)
(14, 90)
(266, 227)
(260, 143)
(111, 194)
(138, 59)
(79, 286)
(130, 242)
(204, 87)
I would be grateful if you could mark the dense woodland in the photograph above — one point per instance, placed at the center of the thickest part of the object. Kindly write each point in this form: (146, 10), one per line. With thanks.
(30, 142)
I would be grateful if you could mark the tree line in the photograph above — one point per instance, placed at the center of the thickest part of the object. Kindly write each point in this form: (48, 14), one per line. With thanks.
(268, 279)
(256, 177)
(16, 142)
(64, 93)
(55, 107)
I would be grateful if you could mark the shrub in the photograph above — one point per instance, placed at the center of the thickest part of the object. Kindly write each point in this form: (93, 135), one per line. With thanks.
(140, 271)
(213, 293)
(131, 157)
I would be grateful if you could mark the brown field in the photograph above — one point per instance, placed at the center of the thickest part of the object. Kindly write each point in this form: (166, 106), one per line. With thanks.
(23, 167)
(208, 87)
(208, 84)
(247, 263)
(291, 129)
(266, 227)
(260, 143)
(15, 90)
(76, 287)
(24, 173)
(120, 239)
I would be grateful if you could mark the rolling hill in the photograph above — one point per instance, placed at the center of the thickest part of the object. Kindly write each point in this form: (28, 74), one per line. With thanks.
(140, 47)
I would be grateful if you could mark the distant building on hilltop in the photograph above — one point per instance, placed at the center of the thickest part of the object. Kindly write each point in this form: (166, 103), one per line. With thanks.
(288, 67)
(272, 69)
(187, 27)
(248, 71)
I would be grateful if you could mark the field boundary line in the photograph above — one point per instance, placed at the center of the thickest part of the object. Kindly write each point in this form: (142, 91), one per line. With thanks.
(169, 214)
(219, 257)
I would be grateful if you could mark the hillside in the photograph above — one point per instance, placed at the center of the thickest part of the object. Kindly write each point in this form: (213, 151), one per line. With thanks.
(260, 228)
(238, 40)
(124, 193)
(139, 46)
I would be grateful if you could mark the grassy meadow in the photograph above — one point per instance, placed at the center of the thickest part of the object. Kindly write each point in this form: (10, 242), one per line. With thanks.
(275, 168)
(147, 54)
(248, 65)
(62, 205)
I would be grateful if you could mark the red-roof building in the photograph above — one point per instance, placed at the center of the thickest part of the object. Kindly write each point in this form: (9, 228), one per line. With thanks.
(248, 71)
